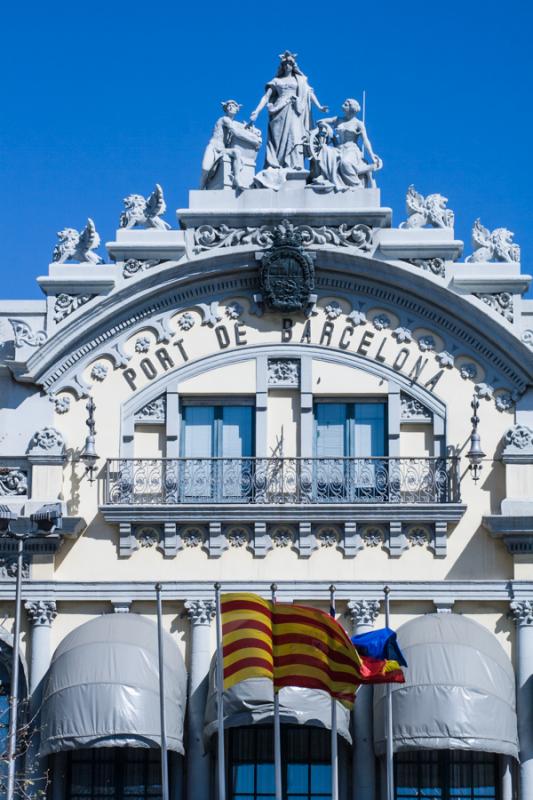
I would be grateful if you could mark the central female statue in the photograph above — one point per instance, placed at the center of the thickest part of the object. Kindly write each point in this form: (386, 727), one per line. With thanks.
(289, 99)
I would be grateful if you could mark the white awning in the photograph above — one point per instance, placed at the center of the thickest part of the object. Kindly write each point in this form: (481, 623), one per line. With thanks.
(102, 688)
(459, 691)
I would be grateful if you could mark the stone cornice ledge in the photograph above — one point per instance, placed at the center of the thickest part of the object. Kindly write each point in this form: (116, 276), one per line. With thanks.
(515, 531)
(468, 590)
(368, 512)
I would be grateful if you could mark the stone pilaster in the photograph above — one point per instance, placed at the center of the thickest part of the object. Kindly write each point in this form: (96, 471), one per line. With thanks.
(200, 613)
(363, 614)
(522, 611)
(41, 614)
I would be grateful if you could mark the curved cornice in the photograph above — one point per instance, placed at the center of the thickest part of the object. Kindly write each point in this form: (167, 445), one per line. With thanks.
(181, 284)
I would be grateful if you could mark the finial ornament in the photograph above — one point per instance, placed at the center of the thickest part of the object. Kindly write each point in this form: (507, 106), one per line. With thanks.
(496, 245)
(145, 212)
(429, 210)
(78, 246)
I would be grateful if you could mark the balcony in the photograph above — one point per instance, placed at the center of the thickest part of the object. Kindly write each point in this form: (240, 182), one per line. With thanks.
(281, 481)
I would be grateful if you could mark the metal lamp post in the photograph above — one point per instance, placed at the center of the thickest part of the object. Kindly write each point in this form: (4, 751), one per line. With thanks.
(48, 518)
(88, 455)
(475, 455)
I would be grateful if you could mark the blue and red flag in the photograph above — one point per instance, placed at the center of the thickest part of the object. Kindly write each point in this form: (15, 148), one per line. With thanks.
(381, 655)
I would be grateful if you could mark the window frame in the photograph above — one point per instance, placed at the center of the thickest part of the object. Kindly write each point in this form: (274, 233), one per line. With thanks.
(444, 765)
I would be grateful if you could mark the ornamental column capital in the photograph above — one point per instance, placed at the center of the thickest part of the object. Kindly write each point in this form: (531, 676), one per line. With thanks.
(41, 612)
(522, 612)
(363, 612)
(200, 612)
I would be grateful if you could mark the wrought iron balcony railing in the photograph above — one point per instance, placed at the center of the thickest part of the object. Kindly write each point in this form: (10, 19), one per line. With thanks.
(281, 481)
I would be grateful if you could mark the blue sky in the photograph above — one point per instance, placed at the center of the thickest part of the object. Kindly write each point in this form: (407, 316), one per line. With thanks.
(104, 99)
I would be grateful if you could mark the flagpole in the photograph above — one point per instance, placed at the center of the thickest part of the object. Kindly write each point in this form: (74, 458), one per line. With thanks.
(161, 660)
(389, 737)
(334, 747)
(221, 766)
(277, 728)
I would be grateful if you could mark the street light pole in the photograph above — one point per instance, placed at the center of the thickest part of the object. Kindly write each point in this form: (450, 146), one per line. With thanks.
(13, 700)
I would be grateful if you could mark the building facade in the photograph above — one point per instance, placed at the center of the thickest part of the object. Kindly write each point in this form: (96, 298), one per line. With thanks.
(277, 390)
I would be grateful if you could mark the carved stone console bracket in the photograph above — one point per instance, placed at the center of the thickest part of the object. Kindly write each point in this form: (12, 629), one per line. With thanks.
(397, 540)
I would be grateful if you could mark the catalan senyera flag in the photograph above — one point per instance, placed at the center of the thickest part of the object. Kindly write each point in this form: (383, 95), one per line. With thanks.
(246, 637)
(290, 644)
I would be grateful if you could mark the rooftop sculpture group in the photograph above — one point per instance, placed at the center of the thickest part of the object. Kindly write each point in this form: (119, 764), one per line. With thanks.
(332, 155)
(333, 146)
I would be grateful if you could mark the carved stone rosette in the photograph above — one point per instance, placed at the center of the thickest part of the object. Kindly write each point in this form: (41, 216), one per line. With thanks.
(363, 612)
(200, 612)
(41, 612)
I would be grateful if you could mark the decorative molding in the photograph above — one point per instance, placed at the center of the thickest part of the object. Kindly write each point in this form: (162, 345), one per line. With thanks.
(468, 371)
(24, 334)
(234, 310)
(307, 541)
(381, 322)
(504, 401)
(522, 612)
(527, 337)
(328, 537)
(496, 245)
(284, 372)
(65, 304)
(396, 542)
(186, 321)
(426, 343)
(47, 439)
(373, 537)
(61, 404)
(99, 372)
(133, 266)
(13, 481)
(154, 411)
(41, 612)
(418, 537)
(282, 537)
(501, 302)
(262, 542)
(403, 335)
(147, 536)
(445, 359)
(363, 612)
(142, 344)
(208, 237)
(333, 309)
(237, 537)
(8, 567)
(200, 612)
(484, 390)
(412, 410)
(434, 265)
(192, 537)
(430, 210)
(519, 437)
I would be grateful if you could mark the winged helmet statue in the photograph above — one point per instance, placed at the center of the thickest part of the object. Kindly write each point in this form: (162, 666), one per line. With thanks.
(496, 245)
(430, 210)
(78, 246)
(145, 212)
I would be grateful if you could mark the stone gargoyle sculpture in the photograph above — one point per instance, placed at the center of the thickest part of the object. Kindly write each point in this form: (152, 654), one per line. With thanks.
(145, 212)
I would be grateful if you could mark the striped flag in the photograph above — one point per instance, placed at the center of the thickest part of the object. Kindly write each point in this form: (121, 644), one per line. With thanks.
(246, 638)
(291, 645)
(313, 650)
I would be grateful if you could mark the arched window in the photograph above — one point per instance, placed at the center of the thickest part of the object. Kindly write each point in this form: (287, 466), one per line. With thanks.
(446, 775)
(114, 773)
(306, 762)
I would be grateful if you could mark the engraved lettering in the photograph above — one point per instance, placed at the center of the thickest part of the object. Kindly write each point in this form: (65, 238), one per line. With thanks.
(148, 368)
(401, 358)
(346, 336)
(286, 329)
(417, 369)
(364, 344)
(222, 336)
(434, 380)
(163, 356)
(179, 345)
(379, 356)
(327, 332)
(306, 334)
(240, 334)
(129, 376)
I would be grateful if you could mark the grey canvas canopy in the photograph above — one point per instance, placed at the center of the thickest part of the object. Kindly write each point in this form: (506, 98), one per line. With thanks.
(251, 702)
(102, 688)
(459, 691)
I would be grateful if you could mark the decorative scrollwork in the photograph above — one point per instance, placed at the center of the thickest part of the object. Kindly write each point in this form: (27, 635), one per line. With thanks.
(24, 334)
(434, 265)
(13, 481)
(66, 304)
(133, 266)
(282, 481)
(208, 237)
(501, 302)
